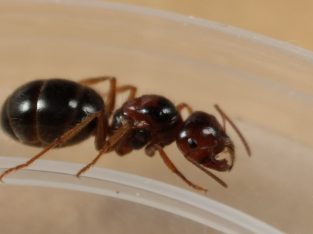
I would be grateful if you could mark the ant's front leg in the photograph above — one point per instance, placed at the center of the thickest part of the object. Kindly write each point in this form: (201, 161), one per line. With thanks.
(150, 149)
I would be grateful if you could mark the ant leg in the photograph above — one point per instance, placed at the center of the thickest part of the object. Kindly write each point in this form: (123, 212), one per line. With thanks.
(224, 124)
(182, 106)
(112, 90)
(101, 130)
(132, 91)
(174, 169)
(108, 146)
(59, 141)
(213, 176)
(225, 117)
(95, 80)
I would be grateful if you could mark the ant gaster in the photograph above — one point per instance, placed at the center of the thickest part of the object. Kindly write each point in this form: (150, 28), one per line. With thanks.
(61, 112)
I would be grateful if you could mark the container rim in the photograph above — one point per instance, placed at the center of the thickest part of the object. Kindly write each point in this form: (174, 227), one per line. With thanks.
(200, 203)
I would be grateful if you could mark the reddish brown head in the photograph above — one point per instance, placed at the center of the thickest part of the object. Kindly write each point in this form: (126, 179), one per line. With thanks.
(202, 139)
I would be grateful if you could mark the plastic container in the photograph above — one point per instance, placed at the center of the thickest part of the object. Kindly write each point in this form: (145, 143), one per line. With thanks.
(264, 85)
(124, 203)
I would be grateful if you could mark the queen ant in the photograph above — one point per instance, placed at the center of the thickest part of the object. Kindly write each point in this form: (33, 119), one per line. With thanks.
(57, 112)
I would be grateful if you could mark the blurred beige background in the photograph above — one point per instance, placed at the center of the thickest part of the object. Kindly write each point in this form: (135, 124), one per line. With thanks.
(284, 20)
(287, 20)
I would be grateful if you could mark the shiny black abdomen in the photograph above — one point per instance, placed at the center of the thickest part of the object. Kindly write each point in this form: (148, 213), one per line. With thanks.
(42, 110)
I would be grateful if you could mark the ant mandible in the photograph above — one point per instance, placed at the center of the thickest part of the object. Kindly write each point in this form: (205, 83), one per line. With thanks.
(57, 117)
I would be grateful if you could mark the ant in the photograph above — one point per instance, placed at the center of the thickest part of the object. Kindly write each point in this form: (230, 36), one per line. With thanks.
(56, 112)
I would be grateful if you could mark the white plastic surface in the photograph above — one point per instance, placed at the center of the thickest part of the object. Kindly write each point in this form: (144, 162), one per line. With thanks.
(137, 189)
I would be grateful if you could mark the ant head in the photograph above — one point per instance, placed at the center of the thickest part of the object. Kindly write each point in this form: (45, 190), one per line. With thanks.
(202, 139)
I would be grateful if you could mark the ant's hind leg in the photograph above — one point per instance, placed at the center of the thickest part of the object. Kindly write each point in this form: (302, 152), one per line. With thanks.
(111, 96)
(113, 90)
(182, 106)
(174, 169)
(59, 141)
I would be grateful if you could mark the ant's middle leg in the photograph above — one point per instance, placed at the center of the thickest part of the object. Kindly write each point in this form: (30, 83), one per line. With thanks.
(127, 88)
(108, 146)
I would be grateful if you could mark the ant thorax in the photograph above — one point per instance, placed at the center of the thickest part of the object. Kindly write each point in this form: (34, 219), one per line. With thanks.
(153, 118)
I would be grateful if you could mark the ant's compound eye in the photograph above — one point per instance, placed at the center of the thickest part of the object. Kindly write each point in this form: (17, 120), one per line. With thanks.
(192, 143)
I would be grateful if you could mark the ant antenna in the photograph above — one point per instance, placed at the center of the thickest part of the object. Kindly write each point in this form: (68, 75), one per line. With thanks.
(225, 117)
